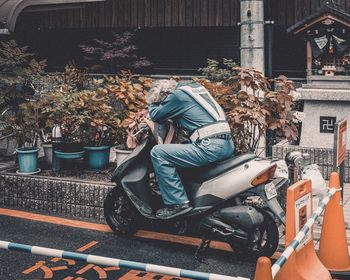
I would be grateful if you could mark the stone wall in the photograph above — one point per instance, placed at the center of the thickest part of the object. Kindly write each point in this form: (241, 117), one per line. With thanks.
(73, 198)
(323, 157)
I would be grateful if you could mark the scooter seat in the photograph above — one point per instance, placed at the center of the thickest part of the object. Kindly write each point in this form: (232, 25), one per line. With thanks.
(207, 172)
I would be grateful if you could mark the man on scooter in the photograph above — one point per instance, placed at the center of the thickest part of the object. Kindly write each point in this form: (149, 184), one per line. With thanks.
(193, 109)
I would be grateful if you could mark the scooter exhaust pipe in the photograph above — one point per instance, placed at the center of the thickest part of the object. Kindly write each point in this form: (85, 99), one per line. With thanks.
(214, 229)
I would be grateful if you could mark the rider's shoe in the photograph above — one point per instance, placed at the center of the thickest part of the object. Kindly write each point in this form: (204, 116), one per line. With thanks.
(172, 211)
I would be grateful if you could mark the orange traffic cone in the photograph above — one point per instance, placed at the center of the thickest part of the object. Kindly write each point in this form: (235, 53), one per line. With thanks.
(303, 263)
(263, 269)
(333, 251)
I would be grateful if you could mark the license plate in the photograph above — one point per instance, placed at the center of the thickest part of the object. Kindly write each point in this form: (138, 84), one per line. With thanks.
(270, 191)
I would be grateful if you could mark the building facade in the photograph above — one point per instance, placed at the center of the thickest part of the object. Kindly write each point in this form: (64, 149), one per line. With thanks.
(176, 35)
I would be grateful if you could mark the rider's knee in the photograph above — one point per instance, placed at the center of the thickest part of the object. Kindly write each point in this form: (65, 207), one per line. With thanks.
(156, 152)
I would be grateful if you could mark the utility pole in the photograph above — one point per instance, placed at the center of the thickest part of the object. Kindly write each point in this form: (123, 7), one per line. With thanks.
(253, 44)
(252, 34)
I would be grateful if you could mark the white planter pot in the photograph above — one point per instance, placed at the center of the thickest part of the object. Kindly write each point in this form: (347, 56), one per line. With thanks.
(120, 155)
(48, 153)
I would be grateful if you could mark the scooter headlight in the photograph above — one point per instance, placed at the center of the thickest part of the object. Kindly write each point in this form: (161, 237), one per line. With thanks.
(264, 176)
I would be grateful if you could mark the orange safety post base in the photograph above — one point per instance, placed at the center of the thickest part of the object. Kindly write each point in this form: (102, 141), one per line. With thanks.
(263, 269)
(333, 251)
(303, 264)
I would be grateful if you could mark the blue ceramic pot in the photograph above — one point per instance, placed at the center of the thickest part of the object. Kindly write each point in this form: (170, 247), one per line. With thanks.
(58, 156)
(97, 157)
(63, 155)
(27, 159)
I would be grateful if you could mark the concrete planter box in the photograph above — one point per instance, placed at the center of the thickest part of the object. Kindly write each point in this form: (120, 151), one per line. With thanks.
(62, 196)
(323, 157)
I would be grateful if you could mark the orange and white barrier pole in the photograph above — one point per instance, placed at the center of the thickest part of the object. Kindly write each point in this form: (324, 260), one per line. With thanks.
(99, 260)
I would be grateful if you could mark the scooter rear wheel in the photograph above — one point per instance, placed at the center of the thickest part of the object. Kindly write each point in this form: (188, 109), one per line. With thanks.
(119, 212)
(266, 238)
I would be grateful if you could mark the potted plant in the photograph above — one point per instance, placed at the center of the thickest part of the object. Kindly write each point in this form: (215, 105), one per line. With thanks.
(61, 109)
(252, 107)
(22, 74)
(98, 150)
(27, 131)
(70, 146)
(100, 122)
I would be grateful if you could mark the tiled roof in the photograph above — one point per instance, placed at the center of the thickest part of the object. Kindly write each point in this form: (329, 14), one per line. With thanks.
(329, 9)
(10, 9)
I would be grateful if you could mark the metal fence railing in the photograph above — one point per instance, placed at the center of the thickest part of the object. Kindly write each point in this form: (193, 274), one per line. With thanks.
(323, 157)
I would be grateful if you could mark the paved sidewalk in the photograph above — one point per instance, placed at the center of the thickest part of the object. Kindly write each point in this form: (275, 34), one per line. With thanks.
(18, 265)
(318, 225)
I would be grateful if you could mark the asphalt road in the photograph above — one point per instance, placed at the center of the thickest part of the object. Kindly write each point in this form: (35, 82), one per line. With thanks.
(18, 265)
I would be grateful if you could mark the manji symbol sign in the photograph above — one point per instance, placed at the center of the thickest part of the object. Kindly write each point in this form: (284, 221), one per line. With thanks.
(48, 269)
(327, 124)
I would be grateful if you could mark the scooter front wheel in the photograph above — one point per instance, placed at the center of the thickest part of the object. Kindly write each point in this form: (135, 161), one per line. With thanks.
(119, 212)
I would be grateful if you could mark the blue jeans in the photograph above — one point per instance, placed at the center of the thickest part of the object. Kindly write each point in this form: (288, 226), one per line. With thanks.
(166, 158)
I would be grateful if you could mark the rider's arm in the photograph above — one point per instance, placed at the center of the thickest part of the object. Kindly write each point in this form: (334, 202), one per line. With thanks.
(168, 109)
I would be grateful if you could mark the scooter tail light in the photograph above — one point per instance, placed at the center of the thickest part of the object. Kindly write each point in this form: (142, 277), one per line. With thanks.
(264, 176)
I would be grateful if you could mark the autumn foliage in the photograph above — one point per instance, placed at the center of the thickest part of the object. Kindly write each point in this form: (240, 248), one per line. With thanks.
(88, 108)
(85, 107)
(252, 107)
(130, 92)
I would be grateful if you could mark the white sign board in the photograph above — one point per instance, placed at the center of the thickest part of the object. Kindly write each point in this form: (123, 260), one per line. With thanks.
(302, 214)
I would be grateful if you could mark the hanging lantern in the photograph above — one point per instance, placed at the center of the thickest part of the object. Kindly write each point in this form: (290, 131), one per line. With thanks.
(331, 49)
